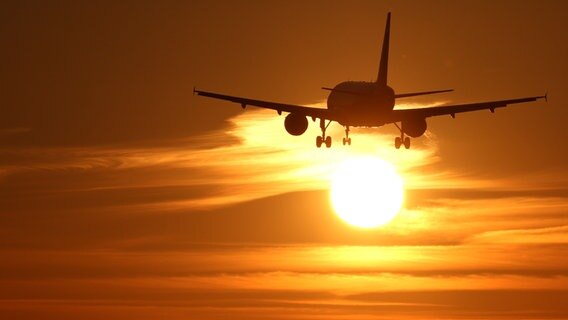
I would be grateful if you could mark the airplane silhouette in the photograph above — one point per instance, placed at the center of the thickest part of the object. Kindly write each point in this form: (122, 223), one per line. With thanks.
(366, 104)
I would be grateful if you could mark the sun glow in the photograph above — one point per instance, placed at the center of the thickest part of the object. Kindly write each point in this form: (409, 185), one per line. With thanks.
(366, 192)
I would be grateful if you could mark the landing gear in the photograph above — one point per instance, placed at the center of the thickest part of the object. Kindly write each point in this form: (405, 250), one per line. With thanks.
(320, 140)
(323, 138)
(402, 140)
(346, 140)
(397, 142)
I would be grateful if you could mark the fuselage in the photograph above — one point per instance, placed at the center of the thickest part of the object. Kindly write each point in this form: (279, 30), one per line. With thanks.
(361, 104)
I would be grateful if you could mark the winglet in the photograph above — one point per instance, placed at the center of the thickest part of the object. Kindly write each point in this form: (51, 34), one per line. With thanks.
(384, 64)
(546, 97)
(194, 91)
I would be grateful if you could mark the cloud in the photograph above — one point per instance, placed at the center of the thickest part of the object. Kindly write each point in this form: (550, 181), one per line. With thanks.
(549, 235)
(259, 159)
(140, 195)
(237, 222)
(285, 295)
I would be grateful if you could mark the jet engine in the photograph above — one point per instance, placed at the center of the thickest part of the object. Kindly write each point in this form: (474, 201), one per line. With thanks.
(296, 124)
(414, 127)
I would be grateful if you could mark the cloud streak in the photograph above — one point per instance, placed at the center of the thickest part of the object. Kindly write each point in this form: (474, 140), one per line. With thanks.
(224, 224)
(259, 160)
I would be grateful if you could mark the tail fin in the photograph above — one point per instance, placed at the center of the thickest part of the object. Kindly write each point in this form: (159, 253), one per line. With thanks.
(384, 64)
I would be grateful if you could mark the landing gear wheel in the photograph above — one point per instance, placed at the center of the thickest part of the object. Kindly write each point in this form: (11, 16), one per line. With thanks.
(349, 141)
(344, 141)
(407, 143)
(402, 140)
(397, 142)
(319, 141)
(327, 141)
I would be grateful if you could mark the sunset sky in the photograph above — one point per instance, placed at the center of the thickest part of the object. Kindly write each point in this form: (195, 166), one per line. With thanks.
(123, 196)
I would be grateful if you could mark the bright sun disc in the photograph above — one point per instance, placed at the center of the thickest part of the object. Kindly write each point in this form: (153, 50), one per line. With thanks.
(366, 192)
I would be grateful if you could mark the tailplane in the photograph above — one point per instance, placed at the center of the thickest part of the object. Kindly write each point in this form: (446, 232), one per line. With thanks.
(384, 64)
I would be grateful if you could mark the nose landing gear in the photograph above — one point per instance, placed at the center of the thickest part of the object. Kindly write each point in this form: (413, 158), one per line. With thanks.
(347, 140)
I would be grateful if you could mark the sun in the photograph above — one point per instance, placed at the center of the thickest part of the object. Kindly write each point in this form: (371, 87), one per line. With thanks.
(366, 192)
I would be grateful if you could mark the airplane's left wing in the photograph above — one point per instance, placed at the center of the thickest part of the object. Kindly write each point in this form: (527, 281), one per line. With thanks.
(399, 115)
(279, 107)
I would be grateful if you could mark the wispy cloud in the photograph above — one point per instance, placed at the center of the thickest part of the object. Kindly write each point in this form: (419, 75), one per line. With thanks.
(259, 159)
(223, 225)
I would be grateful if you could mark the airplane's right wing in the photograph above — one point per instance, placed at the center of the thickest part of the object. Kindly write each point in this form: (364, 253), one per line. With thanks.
(399, 115)
(279, 107)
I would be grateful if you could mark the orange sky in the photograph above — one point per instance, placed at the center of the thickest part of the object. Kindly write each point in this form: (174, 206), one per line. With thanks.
(122, 196)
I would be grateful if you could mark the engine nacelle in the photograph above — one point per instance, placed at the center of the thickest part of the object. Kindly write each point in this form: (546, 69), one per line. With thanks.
(296, 124)
(414, 127)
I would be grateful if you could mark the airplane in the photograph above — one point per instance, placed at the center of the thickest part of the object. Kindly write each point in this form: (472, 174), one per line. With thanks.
(366, 104)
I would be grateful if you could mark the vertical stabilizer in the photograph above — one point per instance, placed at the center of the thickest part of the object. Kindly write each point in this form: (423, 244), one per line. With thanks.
(384, 64)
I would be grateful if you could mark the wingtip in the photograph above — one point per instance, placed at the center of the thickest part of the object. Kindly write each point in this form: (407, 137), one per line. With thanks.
(546, 97)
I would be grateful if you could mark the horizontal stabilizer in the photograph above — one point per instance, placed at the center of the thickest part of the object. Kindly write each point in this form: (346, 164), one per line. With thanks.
(413, 94)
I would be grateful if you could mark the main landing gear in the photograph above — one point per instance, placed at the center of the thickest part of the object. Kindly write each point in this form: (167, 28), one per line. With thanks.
(347, 140)
(402, 140)
(323, 139)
